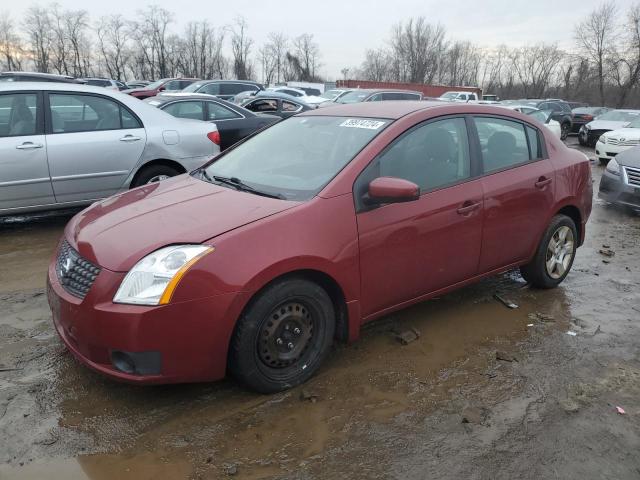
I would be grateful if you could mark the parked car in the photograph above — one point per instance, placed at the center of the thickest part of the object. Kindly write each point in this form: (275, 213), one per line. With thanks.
(543, 116)
(225, 89)
(36, 77)
(575, 105)
(333, 94)
(109, 83)
(612, 120)
(163, 85)
(137, 83)
(584, 115)
(276, 103)
(94, 143)
(459, 97)
(620, 181)
(327, 220)
(560, 111)
(377, 95)
(299, 93)
(234, 122)
(613, 142)
(490, 98)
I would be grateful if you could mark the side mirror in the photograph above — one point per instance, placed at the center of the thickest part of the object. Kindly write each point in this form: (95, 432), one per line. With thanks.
(392, 190)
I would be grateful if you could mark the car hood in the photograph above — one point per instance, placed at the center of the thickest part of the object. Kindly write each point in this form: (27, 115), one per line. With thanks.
(605, 125)
(629, 158)
(117, 232)
(626, 133)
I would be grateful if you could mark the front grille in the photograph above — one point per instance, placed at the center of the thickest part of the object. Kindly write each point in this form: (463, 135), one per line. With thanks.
(633, 176)
(623, 142)
(74, 272)
(611, 154)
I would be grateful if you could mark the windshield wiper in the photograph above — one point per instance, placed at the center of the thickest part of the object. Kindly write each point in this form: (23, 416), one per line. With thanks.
(240, 185)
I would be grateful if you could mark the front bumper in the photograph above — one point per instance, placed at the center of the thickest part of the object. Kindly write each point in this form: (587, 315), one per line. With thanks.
(184, 341)
(607, 151)
(614, 189)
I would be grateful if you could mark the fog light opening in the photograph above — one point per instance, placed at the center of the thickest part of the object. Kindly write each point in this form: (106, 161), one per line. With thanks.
(123, 362)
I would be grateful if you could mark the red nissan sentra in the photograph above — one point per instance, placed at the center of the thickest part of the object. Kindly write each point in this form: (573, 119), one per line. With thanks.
(297, 236)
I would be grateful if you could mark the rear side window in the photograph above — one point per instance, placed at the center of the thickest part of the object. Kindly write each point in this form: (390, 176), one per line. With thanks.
(266, 105)
(235, 88)
(18, 114)
(505, 143)
(535, 146)
(210, 89)
(432, 156)
(216, 111)
(192, 110)
(86, 113)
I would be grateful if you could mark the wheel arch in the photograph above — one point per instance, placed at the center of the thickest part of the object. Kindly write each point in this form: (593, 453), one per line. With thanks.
(574, 214)
(159, 161)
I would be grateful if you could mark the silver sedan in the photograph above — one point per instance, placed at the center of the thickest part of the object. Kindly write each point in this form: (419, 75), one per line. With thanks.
(65, 145)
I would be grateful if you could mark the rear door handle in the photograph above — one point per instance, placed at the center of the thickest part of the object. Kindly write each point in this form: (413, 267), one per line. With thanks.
(543, 182)
(29, 146)
(468, 207)
(130, 138)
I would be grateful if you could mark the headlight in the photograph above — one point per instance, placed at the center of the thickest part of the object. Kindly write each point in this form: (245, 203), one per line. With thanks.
(613, 167)
(601, 139)
(154, 278)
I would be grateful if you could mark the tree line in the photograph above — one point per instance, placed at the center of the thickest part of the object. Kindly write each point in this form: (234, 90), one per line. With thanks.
(602, 68)
(69, 42)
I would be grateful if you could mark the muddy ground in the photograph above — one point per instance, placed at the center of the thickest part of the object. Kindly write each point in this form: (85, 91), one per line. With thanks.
(443, 406)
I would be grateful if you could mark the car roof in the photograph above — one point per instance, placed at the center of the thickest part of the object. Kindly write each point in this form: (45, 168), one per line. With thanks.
(278, 95)
(67, 87)
(382, 90)
(250, 82)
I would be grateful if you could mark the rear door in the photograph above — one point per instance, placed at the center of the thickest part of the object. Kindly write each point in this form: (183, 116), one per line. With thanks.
(518, 186)
(24, 173)
(232, 126)
(93, 143)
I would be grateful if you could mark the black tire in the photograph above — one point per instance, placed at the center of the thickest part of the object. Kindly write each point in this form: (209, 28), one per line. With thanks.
(147, 174)
(263, 335)
(581, 141)
(565, 128)
(536, 272)
(603, 161)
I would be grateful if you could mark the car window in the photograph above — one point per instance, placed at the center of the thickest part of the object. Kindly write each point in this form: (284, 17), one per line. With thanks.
(503, 142)
(184, 83)
(191, 109)
(210, 88)
(535, 145)
(293, 93)
(235, 88)
(433, 155)
(18, 114)
(263, 105)
(84, 113)
(290, 106)
(172, 85)
(564, 107)
(99, 83)
(375, 98)
(215, 111)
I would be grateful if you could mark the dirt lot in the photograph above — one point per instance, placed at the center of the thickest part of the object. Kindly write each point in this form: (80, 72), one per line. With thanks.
(443, 406)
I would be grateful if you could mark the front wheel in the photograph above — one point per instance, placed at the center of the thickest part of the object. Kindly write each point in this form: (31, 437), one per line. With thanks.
(152, 174)
(554, 257)
(283, 336)
(565, 128)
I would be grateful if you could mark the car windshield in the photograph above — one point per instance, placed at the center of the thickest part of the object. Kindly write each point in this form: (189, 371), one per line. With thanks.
(296, 158)
(620, 116)
(156, 84)
(193, 87)
(353, 97)
(634, 124)
(586, 110)
(450, 95)
(541, 115)
(330, 94)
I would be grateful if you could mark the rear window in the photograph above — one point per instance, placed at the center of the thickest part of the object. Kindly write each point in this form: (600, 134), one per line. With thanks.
(353, 97)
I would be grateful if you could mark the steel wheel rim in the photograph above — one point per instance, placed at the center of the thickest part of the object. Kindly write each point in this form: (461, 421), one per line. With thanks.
(157, 178)
(286, 335)
(560, 251)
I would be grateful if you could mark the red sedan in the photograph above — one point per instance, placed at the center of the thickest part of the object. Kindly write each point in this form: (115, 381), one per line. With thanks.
(297, 236)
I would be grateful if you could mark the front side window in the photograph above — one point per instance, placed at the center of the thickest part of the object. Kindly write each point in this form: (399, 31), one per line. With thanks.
(503, 142)
(86, 113)
(432, 156)
(296, 158)
(289, 106)
(193, 110)
(215, 111)
(18, 114)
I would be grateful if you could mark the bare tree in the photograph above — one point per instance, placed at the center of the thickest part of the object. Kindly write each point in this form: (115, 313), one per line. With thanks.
(535, 67)
(37, 26)
(304, 59)
(241, 48)
(11, 48)
(376, 65)
(273, 58)
(76, 24)
(112, 40)
(461, 64)
(596, 36)
(416, 47)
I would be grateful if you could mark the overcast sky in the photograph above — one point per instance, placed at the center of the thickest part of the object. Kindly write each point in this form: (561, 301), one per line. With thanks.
(344, 29)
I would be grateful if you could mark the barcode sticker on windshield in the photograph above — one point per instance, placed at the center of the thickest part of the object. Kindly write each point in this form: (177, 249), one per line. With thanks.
(359, 123)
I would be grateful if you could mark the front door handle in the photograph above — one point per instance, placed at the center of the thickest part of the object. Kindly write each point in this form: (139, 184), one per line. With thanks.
(29, 146)
(468, 207)
(130, 138)
(543, 182)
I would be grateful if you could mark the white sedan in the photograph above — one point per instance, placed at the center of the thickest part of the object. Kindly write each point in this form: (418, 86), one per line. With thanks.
(543, 116)
(612, 143)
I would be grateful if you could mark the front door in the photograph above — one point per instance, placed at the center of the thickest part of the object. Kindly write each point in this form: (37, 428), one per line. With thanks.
(24, 173)
(411, 249)
(93, 143)
(518, 190)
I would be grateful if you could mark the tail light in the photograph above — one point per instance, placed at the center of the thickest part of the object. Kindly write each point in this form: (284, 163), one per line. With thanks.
(214, 137)
(588, 118)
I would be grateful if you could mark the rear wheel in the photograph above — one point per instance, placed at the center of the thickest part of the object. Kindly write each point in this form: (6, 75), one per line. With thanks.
(283, 336)
(152, 174)
(565, 128)
(554, 257)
